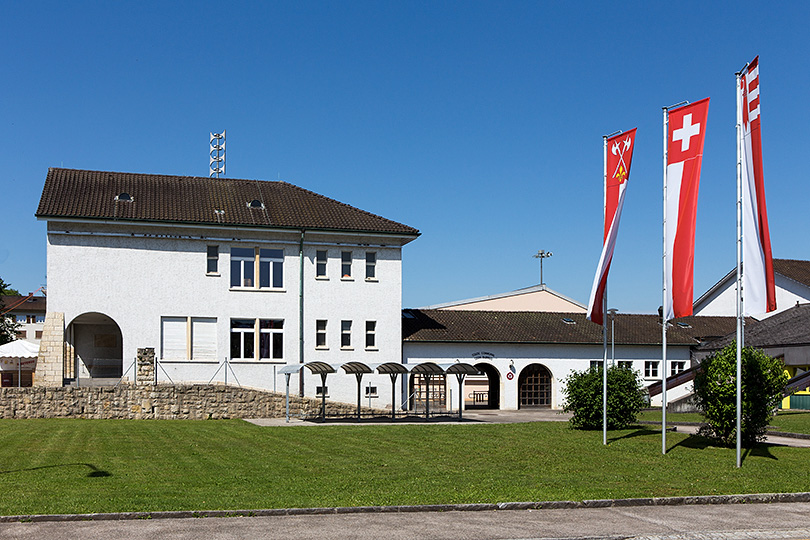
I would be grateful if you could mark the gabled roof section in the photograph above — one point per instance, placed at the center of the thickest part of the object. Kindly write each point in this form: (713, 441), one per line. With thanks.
(99, 195)
(500, 296)
(23, 304)
(793, 269)
(442, 326)
(787, 328)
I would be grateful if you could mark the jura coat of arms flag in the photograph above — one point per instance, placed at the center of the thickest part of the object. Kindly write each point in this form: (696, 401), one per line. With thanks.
(758, 281)
(685, 135)
(618, 155)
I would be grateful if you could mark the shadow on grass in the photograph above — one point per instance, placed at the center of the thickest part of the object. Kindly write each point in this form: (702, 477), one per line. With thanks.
(95, 472)
(698, 442)
(640, 432)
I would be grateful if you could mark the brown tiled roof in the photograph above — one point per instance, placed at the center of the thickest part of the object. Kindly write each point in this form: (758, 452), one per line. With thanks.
(789, 327)
(22, 304)
(433, 325)
(70, 193)
(793, 269)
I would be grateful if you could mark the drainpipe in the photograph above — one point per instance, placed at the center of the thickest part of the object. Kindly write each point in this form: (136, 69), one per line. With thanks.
(301, 313)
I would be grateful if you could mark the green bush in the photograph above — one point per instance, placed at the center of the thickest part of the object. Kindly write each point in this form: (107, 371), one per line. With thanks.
(763, 382)
(625, 397)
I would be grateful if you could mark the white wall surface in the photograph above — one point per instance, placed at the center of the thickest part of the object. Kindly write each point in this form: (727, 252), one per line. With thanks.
(161, 271)
(560, 360)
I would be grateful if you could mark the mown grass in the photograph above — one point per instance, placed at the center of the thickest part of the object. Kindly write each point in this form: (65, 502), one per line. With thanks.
(792, 421)
(78, 466)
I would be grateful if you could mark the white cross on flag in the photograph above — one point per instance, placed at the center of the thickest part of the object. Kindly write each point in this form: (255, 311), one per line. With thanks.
(758, 282)
(687, 129)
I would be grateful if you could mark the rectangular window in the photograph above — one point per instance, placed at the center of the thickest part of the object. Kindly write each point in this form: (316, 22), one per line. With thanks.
(246, 262)
(271, 262)
(243, 336)
(676, 367)
(320, 263)
(321, 391)
(212, 266)
(371, 265)
(20, 334)
(271, 339)
(650, 369)
(371, 391)
(176, 344)
(346, 264)
(30, 319)
(627, 364)
(39, 334)
(173, 338)
(345, 334)
(596, 364)
(242, 267)
(40, 318)
(203, 338)
(21, 319)
(371, 334)
(320, 334)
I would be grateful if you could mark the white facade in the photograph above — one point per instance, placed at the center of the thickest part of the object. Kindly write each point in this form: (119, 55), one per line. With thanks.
(721, 300)
(561, 360)
(163, 288)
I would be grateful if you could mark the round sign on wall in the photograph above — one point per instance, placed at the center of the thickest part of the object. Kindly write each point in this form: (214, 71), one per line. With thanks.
(510, 375)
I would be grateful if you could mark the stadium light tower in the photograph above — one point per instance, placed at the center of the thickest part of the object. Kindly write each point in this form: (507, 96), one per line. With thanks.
(542, 254)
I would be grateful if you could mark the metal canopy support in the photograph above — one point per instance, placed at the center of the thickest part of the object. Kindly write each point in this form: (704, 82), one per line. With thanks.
(393, 369)
(323, 395)
(287, 376)
(359, 377)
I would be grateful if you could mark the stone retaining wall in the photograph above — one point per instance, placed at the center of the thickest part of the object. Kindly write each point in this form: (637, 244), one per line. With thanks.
(162, 401)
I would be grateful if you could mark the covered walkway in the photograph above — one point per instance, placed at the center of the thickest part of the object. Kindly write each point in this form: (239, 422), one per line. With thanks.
(392, 369)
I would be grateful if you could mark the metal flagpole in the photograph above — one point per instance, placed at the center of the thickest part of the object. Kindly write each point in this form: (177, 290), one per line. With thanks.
(739, 269)
(604, 311)
(664, 301)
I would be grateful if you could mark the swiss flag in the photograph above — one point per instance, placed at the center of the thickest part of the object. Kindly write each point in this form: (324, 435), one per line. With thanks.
(686, 133)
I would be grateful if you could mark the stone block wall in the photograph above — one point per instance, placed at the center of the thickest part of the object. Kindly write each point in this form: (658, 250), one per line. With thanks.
(146, 366)
(162, 401)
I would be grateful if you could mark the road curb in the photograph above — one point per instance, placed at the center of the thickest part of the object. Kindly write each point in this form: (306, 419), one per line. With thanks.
(757, 498)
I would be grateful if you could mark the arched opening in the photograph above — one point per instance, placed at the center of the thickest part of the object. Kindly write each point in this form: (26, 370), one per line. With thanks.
(95, 351)
(483, 391)
(534, 387)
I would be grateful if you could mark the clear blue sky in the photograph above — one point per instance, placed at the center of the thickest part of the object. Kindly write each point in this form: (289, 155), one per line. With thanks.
(479, 123)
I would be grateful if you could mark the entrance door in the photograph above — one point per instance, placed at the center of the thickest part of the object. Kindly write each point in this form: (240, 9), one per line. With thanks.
(534, 387)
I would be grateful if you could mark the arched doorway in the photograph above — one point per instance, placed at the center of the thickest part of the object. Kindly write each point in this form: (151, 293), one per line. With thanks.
(534, 387)
(483, 391)
(95, 351)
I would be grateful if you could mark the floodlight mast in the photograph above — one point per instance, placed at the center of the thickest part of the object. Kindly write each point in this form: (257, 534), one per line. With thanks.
(542, 254)
(216, 162)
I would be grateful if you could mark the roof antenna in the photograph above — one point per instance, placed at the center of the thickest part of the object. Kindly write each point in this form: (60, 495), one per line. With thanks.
(217, 154)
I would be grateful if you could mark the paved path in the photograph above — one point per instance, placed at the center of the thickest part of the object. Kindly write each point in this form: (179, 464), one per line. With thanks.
(695, 522)
(501, 417)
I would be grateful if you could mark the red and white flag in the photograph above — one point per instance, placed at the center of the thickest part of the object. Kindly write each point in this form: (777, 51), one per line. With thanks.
(617, 170)
(687, 129)
(758, 283)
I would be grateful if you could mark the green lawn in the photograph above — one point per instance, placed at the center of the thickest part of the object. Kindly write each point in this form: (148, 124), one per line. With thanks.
(793, 421)
(77, 466)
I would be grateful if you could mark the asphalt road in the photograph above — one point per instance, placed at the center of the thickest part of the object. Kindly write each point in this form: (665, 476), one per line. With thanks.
(698, 522)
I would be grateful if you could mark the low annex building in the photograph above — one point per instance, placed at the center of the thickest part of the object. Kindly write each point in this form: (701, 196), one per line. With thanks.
(526, 356)
(227, 279)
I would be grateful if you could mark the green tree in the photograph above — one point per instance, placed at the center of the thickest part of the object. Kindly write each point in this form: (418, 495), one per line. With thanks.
(625, 397)
(8, 328)
(763, 383)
